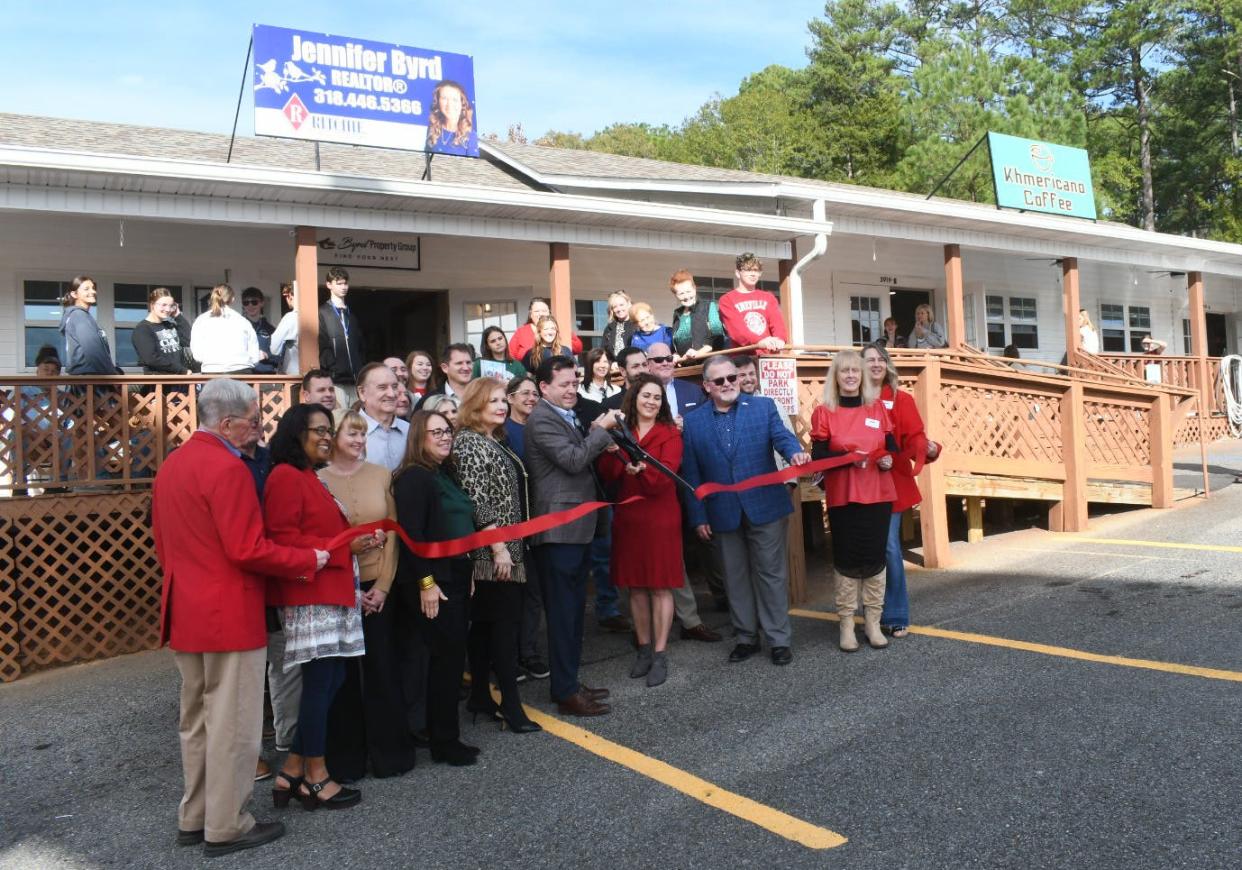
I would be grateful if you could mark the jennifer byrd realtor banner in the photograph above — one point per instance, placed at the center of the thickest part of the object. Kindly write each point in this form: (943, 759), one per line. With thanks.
(1040, 176)
(340, 89)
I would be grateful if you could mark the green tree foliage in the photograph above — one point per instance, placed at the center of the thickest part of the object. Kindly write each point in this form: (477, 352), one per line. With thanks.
(895, 92)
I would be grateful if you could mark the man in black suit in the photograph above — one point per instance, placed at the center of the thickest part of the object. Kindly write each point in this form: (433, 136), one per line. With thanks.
(633, 362)
(342, 348)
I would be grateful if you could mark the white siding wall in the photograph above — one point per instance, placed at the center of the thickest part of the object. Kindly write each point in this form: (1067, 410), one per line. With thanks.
(34, 246)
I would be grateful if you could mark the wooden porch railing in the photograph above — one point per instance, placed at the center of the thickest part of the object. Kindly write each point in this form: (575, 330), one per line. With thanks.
(104, 433)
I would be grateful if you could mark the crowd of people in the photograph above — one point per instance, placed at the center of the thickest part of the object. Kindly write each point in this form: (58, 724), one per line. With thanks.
(275, 570)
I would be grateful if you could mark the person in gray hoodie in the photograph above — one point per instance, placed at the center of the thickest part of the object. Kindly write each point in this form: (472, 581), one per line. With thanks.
(86, 345)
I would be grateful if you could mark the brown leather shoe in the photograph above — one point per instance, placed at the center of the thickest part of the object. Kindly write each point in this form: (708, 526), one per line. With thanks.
(580, 705)
(594, 694)
(700, 632)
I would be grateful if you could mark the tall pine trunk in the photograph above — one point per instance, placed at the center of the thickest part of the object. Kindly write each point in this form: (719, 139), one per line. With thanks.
(1139, 77)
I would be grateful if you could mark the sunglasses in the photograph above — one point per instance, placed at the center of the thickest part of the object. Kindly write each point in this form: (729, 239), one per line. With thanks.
(252, 302)
(720, 382)
(660, 359)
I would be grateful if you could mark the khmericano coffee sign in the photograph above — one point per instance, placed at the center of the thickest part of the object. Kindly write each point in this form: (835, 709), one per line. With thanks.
(1041, 176)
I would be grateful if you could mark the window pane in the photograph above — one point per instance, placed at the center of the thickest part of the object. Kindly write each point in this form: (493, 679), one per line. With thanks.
(125, 353)
(1140, 317)
(1025, 335)
(995, 308)
(43, 299)
(480, 315)
(996, 335)
(1112, 316)
(37, 336)
(1113, 340)
(130, 303)
(1022, 309)
(1186, 340)
(1136, 342)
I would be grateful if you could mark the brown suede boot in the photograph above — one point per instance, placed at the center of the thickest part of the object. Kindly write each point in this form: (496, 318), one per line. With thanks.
(847, 600)
(873, 606)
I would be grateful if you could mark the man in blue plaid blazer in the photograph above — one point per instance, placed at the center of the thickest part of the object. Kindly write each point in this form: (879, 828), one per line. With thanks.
(729, 439)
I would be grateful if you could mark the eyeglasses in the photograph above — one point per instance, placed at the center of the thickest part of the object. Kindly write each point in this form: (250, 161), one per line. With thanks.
(322, 431)
(660, 359)
(252, 422)
(720, 382)
(252, 302)
(440, 434)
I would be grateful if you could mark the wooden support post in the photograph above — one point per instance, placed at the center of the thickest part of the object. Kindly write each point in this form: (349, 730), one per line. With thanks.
(974, 519)
(792, 311)
(954, 290)
(1162, 451)
(933, 514)
(1198, 343)
(306, 276)
(1070, 514)
(797, 552)
(558, 286)
(1070, 304)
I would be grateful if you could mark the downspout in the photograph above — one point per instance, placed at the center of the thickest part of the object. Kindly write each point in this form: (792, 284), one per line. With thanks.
(797, 332)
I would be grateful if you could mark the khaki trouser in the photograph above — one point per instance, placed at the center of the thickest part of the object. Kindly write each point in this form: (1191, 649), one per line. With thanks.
(221, 729)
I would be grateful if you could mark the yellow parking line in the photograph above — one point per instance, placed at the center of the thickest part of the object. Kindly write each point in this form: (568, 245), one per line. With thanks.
(1164, 545)
(1058, 651)
(781, 824)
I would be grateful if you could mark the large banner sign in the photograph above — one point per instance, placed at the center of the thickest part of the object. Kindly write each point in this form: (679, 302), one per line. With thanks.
(1040, 176)
(339, 89)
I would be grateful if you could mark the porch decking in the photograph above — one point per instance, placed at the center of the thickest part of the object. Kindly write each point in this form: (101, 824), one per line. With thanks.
(78, 575)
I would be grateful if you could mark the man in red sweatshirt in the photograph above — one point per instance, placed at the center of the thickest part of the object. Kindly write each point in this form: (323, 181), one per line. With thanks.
(752, 316)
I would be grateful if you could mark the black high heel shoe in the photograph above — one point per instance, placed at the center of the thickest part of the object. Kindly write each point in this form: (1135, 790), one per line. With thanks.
(282, 796)
(343, 799)
(518, 724)
(488, 708)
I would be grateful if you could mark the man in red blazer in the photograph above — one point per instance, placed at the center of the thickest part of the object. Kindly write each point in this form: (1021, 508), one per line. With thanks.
(210, 541)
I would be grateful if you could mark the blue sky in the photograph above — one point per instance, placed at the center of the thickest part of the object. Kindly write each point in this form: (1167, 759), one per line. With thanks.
(562, 65)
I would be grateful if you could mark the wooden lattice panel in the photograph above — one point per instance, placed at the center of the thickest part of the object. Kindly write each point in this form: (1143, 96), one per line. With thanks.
(1117, 433)
(274, 400)
(1006, 424)
(86, 582)
(10, 645)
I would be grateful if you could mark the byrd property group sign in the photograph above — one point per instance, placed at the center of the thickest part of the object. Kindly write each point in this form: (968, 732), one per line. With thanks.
(339, 89)
(1041, 176)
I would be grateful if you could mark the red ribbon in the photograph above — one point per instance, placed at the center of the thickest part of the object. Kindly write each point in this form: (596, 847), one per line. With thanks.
(540, 524)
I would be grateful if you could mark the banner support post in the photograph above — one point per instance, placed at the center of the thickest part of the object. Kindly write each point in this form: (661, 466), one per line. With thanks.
(973, 149)
(241, 92)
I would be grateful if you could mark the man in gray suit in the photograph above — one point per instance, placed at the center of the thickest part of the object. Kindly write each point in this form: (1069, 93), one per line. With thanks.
(560, 453)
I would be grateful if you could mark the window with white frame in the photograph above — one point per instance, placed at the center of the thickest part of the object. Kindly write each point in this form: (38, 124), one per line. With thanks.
(41, 313)
(995, 310)
(1023, 322)
(968, 312)
(865, 324)
(1016, 324)
(480, 315)
(590, 318)
(1122, 327)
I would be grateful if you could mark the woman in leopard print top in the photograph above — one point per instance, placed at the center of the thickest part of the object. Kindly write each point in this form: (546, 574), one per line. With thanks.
(495, 480)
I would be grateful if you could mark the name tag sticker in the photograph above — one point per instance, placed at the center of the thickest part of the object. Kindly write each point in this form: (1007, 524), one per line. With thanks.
(872, 423)
(888, 404)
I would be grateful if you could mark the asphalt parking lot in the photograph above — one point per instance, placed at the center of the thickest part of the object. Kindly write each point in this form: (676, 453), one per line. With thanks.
(1074, 702)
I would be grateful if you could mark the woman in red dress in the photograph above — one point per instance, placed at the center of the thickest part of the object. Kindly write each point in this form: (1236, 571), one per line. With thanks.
(646, 535)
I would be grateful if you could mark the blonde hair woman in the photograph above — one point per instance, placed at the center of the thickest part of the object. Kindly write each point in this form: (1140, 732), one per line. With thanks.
(620, 328)
(1089, 336)
(222, 340)
(927, 333)
(853, 422)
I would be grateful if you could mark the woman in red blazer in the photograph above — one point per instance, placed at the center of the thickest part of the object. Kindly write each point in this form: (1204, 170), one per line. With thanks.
(914, 450)
(322, 619)
(646, 535)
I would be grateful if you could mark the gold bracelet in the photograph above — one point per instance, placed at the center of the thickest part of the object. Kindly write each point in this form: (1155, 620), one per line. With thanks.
(427, 582)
